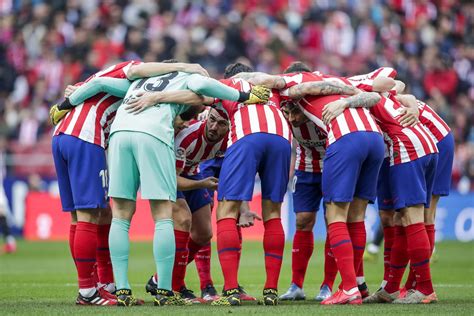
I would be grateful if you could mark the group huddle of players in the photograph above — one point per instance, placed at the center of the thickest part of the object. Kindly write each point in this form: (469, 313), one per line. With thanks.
(178, 135)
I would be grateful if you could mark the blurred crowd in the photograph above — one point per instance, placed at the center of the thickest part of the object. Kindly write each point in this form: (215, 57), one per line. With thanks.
(46, 45)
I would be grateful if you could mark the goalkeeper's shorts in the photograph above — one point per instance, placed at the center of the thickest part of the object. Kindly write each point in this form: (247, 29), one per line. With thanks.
(139, 160)
(81, 168)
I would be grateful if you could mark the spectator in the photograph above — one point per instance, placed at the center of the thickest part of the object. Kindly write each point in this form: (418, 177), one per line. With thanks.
(46, 45)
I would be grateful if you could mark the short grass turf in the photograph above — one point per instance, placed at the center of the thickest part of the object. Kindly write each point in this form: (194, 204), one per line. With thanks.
(40, 279)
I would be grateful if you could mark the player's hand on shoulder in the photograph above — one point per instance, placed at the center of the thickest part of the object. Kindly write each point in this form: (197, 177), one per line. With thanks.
(141, 101)
(210, 183)
(247, 218)
(258, 94)
(408, 117)
(196, 69)
(56, 115)
(332, 110)
(69, 90)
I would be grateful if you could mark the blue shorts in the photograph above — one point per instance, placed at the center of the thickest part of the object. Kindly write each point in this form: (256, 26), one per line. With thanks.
(266, 154)
(351, 167)
(442, 180)
(81, 168)
(307, 191)
(412, 182)
(211, 168)
(384, 193)
(195, 198)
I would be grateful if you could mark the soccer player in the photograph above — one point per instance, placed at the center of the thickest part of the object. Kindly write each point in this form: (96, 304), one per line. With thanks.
(441, 132)
(307, 193)
(212, 168)
(412, 166)
(259, 143)
(201, 141)
(141, 154)
(79, 143)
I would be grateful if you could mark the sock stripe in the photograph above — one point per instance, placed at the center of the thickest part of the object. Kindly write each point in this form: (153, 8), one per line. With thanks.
(103, 248)
(345, 241)
(85, 259)
(181, 249)
(420, 263)
(228, 249)
(387, 249)
(273, 256)
(398, 267)
(358, 247)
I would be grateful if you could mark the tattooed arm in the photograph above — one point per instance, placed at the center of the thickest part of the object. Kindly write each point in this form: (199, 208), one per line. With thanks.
(320, 88)
(335, 108)
(263, 79)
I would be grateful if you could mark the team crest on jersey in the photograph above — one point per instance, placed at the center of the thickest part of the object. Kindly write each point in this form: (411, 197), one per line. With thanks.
(180, 153)
(220, 153)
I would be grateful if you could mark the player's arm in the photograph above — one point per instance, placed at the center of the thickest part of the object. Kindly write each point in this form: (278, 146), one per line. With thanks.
(263, 79)
(185, 184)
(144, 100)
(144, 70)
(410, 112)
(215, 89)
(247, 217)
(320, 88)
(399, 86)
(113, 86)
(335, 108)
(383, 84)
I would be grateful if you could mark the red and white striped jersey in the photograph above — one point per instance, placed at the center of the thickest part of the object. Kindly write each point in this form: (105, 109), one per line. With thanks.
(192, 147)
(253, 118)
(311, 147)
(91, 120)
(365, 82)
(436, 126)
(351, 120)
(404, 143)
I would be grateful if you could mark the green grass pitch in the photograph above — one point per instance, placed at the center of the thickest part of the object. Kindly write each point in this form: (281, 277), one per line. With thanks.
(40, 279)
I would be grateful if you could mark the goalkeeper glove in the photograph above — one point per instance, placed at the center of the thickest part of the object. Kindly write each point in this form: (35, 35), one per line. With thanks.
(56, 115)
(258, 94)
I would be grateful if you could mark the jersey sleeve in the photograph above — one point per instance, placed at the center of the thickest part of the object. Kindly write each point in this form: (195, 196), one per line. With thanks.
(113, 86)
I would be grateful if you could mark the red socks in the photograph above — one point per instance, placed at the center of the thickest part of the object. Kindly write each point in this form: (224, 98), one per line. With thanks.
(398, 260)
(430, 230)
(411, 280)
(104, 265)
(419, 252)
(358, 239)
(389, 236)
(330, 265)
(85, 245)
(180, 259)
(193, 250)
(303, 245)
(202, 256)
(341, 247)
(273, 246)
(72, 233)
(228, 248)
(203, 265)
(239, 231)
